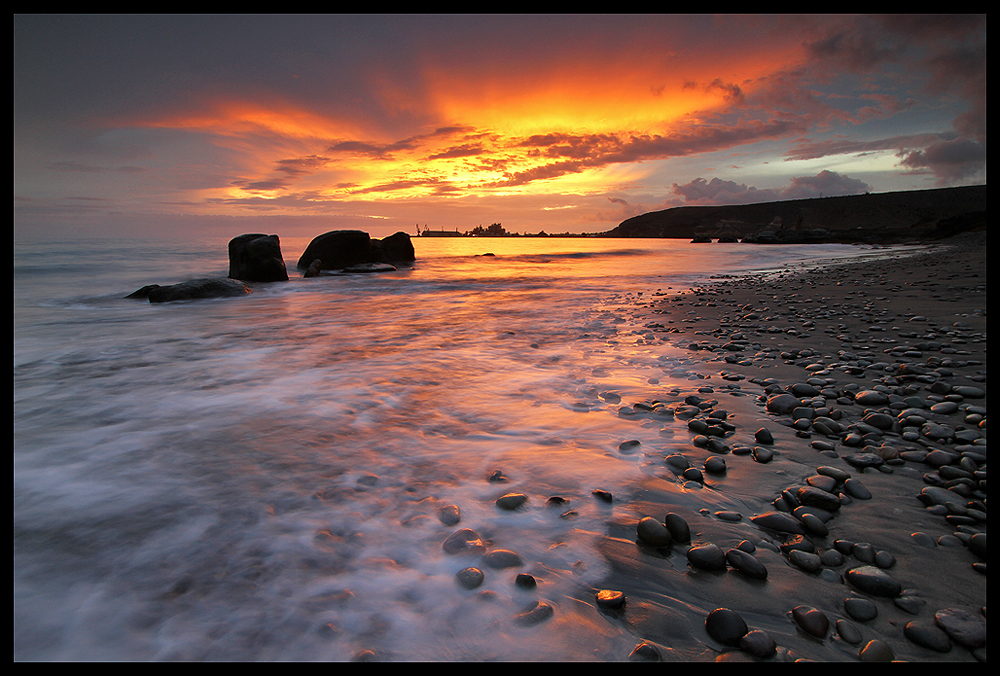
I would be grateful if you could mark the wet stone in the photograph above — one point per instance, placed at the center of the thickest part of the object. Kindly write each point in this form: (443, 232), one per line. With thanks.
(653, 532)
(966, 628)
(707, 557)
(511, 501)
(464, 541)
(525, 581)
(860, 609)
(746, 563)
(449, 515)
(876, 651)
(470, 578)
(779, 522)
(678, 527)
(644, 652)
(537, 612)
(873, 580)
(805, 561)
(501, 558)
(726, 626)
(759, 644)
(610, 599)
(848, 632)
(928, 635)
(763, 436)
(811, 620)
(857, 490)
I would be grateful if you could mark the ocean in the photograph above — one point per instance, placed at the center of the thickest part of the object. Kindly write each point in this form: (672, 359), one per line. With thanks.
(260, 478)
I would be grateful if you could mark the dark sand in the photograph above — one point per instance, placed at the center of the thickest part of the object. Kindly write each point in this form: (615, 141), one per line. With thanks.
(849, 328)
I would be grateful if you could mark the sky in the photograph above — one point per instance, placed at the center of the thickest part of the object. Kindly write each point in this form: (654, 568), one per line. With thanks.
(300, 124)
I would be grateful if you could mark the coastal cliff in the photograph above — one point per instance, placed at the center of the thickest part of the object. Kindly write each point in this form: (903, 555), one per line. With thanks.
(915, 215)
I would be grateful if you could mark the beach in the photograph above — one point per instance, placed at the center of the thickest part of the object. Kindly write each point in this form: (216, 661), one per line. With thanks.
(473, 458)
(871, 370)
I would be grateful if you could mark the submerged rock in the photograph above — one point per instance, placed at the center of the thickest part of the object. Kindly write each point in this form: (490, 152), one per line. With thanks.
(195, 289)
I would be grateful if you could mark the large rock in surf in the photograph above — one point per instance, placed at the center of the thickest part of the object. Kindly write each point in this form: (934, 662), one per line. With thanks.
(195, 289)
(256, 258)
(343, 249)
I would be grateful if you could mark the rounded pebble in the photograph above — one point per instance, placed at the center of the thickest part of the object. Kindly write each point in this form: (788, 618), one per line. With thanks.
(610, 599)
(470, 578)
(464, 541)
(811, 620)
(873, 580)
(537, 612)
(726, 626)
(746, 563)
(511, 501)
(860, 609)
(653, 532)
(501, 558)
(678, 527)
(965, 628)
(848, 632)
(707, 557)
(876, 651)
(927, 635)
(759, 644)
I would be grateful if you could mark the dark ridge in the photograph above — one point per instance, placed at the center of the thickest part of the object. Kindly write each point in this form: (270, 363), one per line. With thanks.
(883, 218)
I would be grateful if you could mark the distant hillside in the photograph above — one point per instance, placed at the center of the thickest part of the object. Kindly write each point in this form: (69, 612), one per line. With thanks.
(915, 215)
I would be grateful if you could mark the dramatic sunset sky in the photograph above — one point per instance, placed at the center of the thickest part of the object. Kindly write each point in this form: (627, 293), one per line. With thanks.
(298, 124)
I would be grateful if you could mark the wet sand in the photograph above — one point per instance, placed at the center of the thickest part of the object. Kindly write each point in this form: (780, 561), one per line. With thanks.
(909, 330)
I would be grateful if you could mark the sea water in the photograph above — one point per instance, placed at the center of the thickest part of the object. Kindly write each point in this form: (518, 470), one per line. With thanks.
(260, 478)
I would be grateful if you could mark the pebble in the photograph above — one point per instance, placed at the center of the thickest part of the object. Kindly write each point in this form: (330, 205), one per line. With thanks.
(537, 612)
(860, 609)
(759, 644)
(525, 581)
(762, 455)
(811, 620)
(805, 561)
(679, 529)
(630, 446)
(644, 652)
(470, 578)
(873, 580)
(653, 532)
(511, 501)
(707, 557)
(501, 558)
(856, 489)
(464, 541)
(965, 628)
(927, 635)
(449, 515)
(876, 651)
(715, 464)
(746, 563)
(848, 632)
(763, 436)
(610, 599)
(726, 626)
(779, 522)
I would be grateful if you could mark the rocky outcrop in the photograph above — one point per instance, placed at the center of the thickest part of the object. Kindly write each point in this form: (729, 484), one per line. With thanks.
(346, 249)
(195, 289)
(882, 218)
(256, 258)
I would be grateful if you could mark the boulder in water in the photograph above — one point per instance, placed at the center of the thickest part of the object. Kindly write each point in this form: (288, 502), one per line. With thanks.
(343, 249)
(195, 289)
(256, 258)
